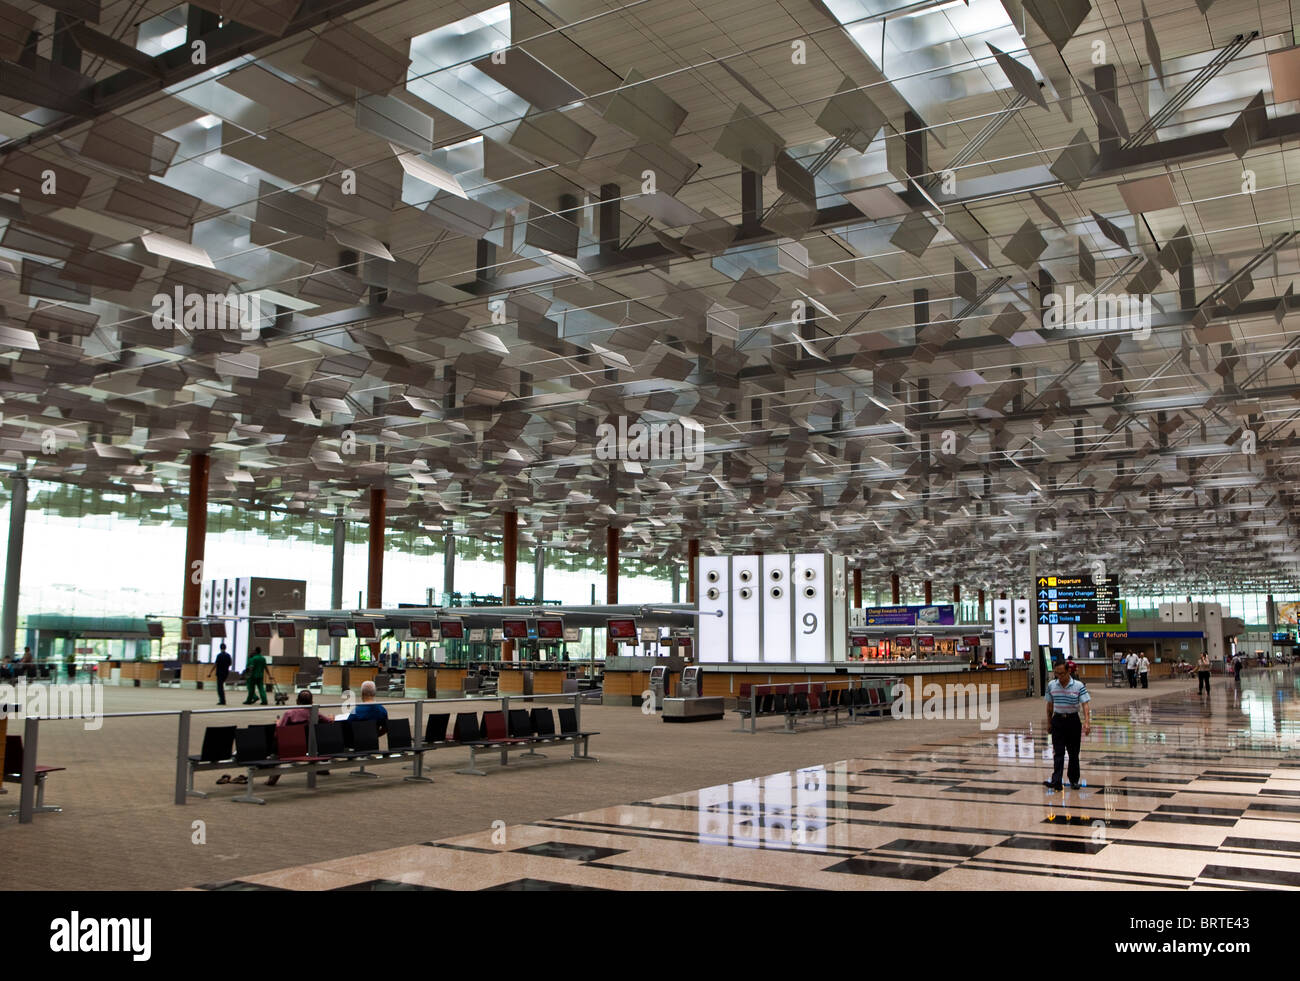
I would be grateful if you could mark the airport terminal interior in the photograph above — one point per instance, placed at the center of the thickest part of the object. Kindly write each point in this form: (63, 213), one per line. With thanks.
(650, 445)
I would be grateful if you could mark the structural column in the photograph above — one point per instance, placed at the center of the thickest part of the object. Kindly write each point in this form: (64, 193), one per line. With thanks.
(981, 602)
(448, 566)
(611, 579)
(956, 601)
(539, 573)
(510, 556)
(336, 576)
(375, 570)
(929, 592)
(692, 570)
(894, 588)
(196, 533)
(857, 589)
(14, 564)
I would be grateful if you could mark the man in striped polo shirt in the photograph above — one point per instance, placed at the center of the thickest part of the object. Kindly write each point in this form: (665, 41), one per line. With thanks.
(1067, 698)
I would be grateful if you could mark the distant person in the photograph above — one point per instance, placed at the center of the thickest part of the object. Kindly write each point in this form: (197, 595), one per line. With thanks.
(1203, 674)
(1069, 664)
(71, 661)
(221, 667)
(1144, 669)
(254, 677)
(1067, 698)
(368, 709)
(1237, 665)
(28, 664)
(299, 715)
(1131, 666)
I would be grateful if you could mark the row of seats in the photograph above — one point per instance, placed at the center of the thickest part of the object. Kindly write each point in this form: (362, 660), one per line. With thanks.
(792, 701)
(261, 747)
(13, 771)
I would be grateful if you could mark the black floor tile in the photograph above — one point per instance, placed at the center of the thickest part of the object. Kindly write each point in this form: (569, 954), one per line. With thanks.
(1261, 877)
(955, 849)
(563, 849)
(1078, 846)
(540, 885)
(889, 870)
(967, 789)
(1209, 822)
(1262, 844)
(387, 885)
(1189, 809)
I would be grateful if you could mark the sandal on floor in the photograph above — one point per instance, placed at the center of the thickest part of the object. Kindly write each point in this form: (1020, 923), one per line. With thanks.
(225, 778)
(240, 779)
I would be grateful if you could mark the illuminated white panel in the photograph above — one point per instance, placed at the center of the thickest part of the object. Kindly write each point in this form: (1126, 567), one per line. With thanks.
(778, 610)
(1003, 643)
(839, 632)
(714, 633)
(811, 606)
(1023, 629)
(746, 614)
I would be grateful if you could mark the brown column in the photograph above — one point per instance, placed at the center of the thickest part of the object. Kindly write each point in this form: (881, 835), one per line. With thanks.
(956, 594)
(692, 570)
(857, 588)
(929, 592)
(196, 533)
(894, 588)
(375, 568)
(981, 602)
(611, 579)
(510, 556)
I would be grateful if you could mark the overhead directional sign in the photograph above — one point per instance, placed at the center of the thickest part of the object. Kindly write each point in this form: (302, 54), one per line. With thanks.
(1078, 599)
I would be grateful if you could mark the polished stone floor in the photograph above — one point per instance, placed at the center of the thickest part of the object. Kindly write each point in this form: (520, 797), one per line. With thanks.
(1181, 792)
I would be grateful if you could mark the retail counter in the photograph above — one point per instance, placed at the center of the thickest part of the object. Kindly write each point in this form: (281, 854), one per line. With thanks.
(625, 684)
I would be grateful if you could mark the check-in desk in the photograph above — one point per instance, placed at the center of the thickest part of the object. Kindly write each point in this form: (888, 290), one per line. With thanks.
(448, 682)
(109, 672)
(140, 674)
(338, 678)
(283, 675)
(419, 681)
(193, 675)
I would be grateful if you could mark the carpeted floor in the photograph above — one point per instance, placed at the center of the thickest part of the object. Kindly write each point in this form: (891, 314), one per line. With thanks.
(121, 830)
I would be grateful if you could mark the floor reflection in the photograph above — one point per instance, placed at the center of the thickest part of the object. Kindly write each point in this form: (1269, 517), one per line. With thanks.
(1181, 791)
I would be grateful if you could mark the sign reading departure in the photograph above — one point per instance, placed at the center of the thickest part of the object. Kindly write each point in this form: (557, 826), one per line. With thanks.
(1078, 599)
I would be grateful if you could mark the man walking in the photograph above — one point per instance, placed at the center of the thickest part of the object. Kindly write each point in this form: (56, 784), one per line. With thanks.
(1066, 699)
(254, 670)
(221, 667)
(1131, 666)
(1144, 669)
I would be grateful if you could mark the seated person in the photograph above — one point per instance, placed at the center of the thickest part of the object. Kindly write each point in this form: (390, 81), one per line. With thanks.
(368, 709)
(300, 715)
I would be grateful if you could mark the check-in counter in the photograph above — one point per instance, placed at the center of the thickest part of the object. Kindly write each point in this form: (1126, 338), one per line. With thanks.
(283, 675)
(193, 675)
(104, 672)
(514, 681)
(549, 682)
(141, 674)
(448, 682)
(334, 678)
(359, 674)
(419, 681)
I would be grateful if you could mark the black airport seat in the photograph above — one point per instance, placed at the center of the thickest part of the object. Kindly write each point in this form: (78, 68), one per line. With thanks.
(399, 735)
(435, 730)
(218, 745)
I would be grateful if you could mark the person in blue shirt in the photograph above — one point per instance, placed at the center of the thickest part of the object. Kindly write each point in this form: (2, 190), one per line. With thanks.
(1067, 700)
(369, 710)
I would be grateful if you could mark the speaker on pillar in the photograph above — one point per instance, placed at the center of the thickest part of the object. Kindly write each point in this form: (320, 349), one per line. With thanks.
(1024, 632)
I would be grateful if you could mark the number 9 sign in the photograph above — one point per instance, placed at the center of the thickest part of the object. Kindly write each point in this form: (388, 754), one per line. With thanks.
(810, 622)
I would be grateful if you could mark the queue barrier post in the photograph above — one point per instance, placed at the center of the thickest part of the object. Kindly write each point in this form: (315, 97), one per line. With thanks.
(182, 758)
(27, 799)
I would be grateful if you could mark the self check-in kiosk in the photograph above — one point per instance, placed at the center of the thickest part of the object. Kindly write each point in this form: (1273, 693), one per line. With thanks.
(658, 685)
(690, 686)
